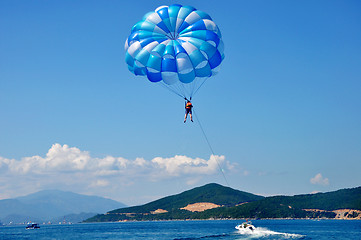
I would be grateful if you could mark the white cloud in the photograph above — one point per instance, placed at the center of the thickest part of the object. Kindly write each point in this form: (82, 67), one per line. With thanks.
(185, 165)
(193, 181)
(319, 180)
(58, 158)
(100, 183)
(72, 169)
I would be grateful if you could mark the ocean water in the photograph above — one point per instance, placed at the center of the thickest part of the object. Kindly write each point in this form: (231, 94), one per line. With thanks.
(190, 230)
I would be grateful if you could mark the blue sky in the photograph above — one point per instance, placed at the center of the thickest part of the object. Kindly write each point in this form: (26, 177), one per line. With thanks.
(283, 114)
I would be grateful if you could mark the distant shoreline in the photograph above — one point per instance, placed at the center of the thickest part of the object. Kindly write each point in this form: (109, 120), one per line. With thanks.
(230, 219)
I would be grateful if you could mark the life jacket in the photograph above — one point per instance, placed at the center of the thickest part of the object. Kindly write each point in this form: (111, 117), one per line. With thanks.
(189, 105)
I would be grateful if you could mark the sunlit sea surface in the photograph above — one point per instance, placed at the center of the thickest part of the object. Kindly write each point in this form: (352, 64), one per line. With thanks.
(191, 230)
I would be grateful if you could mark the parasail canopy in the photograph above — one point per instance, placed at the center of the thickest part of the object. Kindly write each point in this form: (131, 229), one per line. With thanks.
(177, 46)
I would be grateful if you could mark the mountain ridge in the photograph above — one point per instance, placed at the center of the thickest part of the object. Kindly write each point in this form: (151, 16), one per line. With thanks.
(49, 205)
(212, 192)
(230, 205)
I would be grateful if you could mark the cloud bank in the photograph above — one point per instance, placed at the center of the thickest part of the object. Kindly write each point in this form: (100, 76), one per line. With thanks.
(65, 159)
(69, 167)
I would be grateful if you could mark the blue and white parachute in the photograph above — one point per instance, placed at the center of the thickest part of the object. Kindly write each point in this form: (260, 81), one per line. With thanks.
(177, 46)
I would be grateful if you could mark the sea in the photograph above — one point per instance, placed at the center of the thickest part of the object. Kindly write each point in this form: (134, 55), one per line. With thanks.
(190, 230)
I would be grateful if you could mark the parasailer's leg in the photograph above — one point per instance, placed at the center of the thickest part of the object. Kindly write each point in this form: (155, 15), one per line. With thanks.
(188, 111)
(185, 116)
(190, 115)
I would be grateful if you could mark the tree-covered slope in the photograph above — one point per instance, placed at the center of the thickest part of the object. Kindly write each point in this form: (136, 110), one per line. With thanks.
(237, 204)
(213, 193)
(292, 206)
(344, 198)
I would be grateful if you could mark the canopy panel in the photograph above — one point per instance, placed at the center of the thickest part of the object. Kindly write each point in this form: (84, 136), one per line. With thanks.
(177, 46)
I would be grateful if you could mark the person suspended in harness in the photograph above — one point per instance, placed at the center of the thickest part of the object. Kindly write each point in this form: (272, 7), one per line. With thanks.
(188, 107)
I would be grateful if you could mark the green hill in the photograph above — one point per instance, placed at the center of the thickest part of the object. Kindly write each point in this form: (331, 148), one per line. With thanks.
(294, 206)
(212, 193)
(238, 204)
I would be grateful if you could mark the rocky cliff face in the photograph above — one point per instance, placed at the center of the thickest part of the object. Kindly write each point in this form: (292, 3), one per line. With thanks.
(350, 214)
(347, 214)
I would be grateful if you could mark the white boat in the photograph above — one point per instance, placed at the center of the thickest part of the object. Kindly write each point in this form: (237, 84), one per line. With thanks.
(32, 226)
(246, 227)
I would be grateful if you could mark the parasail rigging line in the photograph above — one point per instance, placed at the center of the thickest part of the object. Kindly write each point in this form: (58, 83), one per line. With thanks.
(210, 147)
(178, 93)
(200, 85)
(166, 86)
(185, 92)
